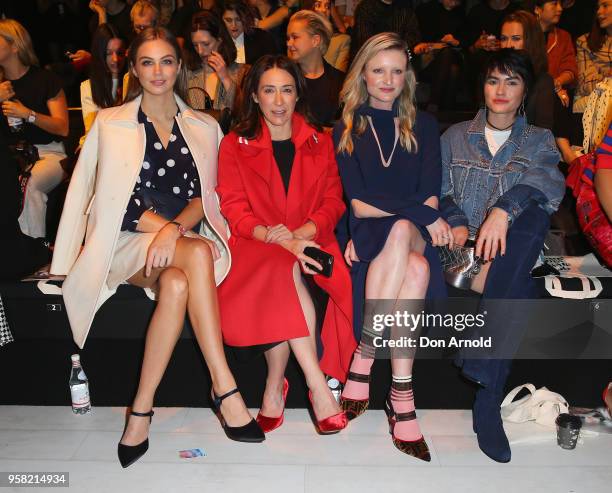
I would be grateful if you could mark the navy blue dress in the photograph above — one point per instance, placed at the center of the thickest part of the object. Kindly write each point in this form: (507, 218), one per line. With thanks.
(168, 178)
(400, 189)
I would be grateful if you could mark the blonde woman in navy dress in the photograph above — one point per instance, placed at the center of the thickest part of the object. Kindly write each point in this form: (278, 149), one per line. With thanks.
(389, 160)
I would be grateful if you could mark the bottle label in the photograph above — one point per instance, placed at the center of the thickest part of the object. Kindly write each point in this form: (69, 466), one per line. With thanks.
(81, 375)
(80, 395)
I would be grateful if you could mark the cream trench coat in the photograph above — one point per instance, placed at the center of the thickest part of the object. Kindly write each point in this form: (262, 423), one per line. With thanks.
(99, 191)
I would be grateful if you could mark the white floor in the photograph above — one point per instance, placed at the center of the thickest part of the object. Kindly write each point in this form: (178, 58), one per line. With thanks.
(293, 458)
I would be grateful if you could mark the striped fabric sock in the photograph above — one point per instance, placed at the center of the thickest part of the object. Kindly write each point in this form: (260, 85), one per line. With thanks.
(362, 365)
(402, 399)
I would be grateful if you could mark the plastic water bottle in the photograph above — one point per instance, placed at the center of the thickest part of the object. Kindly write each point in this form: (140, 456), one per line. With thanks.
(14, 122)
(79, 387)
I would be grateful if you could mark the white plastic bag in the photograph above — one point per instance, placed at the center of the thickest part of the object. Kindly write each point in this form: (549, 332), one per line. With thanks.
(541, 406)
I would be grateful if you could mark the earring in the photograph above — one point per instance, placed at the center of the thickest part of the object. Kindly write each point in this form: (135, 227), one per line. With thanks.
(521, 110)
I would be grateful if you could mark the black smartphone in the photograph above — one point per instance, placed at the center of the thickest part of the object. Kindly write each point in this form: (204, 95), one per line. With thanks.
(325, 259)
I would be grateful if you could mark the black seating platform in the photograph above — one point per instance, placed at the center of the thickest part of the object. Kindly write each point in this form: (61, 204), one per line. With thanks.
(36, 366)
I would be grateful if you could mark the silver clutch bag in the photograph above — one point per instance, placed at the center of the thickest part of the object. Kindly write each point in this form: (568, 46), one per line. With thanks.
(460, 264)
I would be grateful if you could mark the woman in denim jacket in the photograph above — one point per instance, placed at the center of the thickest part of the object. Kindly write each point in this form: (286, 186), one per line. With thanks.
(500, 182)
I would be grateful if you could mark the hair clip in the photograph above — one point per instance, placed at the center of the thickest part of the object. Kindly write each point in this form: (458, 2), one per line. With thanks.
(409, 54)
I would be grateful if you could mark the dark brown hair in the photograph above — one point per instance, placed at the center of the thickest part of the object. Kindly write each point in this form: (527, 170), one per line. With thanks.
(244, 11)
(247, 110)
(533, 39)
(151, 34)
(99, 75)
(205, 20)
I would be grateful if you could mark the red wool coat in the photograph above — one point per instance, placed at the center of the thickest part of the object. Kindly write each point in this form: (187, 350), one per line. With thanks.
(258, 300)
(561, 53)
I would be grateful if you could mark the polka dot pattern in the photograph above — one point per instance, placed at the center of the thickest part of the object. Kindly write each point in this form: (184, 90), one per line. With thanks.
(168, 171)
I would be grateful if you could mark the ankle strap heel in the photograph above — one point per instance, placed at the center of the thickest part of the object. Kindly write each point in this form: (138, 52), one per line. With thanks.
(250, 433)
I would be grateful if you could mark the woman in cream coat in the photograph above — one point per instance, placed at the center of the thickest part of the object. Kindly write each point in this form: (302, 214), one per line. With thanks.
(153, 251)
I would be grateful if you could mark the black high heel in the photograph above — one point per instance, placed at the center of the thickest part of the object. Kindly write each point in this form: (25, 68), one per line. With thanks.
(128, 454)
(250, 433)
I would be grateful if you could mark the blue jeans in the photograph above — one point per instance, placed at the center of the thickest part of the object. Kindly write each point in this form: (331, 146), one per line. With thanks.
(509, 277)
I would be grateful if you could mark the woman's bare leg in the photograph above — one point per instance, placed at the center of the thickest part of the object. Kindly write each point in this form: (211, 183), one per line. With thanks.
(386, 280)
(304, 348)
(414, 287)
(276, 359)
(194, 258)
(162, 334)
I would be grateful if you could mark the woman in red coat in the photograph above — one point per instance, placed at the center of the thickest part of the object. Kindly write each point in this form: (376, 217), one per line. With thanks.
(280, 192)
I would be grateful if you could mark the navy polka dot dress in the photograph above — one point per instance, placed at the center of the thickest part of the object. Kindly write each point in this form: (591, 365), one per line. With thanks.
(167, 172)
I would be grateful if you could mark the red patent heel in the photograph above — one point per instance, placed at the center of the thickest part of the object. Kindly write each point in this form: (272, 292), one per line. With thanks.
(268, 424)
(330, 425)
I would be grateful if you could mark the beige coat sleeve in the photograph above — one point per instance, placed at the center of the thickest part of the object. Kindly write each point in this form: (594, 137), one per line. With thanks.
(73, 223)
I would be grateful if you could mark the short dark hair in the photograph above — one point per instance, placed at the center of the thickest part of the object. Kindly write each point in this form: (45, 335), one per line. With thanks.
(206, 20)
(511, 62)
(534, 42)
(247, 110)
(244, 11)
(99, 76)
(150, 34)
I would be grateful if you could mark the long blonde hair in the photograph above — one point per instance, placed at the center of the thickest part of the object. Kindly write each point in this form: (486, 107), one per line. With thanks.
(354, 93)
(15, 34)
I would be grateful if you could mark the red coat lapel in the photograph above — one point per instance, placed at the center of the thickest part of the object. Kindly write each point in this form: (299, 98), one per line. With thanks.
(308, 166)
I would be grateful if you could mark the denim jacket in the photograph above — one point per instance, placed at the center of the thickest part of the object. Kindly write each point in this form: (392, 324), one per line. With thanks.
(523, 171)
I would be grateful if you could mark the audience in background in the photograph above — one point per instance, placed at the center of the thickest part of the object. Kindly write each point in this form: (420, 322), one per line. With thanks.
(272, 16)
(34, 97)
(113, 12)
(379, 16)
(346, 9)
(22, 254)
(251, 42)
(213, 75)
(338, 51)
(594, 54)
(482, 30)
(143, 14)
(577, 16)
(308, 36)
(103, 89)
(560, 49)
(521, 31)
(441, 23)
(561, 56)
